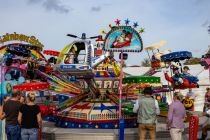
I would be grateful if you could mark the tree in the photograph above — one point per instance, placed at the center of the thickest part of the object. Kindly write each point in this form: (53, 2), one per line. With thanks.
(124, 64)
(146, 63)
(192, 61)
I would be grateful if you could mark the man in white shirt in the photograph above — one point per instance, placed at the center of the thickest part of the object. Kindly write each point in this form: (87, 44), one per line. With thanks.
(191, 94)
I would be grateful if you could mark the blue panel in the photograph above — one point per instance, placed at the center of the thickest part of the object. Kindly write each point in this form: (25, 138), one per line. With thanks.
(66, 67)
(176, 56)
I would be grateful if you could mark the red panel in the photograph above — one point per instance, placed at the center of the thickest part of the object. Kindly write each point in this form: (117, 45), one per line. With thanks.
(98, 52)
(193, 127)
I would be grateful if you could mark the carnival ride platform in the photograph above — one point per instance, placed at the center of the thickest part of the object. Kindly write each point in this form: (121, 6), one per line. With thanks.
(50, 132)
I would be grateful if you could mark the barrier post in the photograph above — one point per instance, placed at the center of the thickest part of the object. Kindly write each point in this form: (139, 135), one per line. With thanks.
(121, 120)
(193, 127)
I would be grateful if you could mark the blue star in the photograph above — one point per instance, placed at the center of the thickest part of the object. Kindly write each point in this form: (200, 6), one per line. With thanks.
(209, 30)
(135, 24)
(127, 21)
(103, 107)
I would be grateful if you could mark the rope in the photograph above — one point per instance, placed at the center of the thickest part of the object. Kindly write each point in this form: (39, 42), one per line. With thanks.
(199, 72)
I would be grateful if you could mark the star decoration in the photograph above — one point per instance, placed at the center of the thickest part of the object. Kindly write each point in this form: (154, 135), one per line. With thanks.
(110, 25)
(117, 22)
(135, 24)
(127, 21)
(142, 30)
(209, 30)
(115, 125)
(103, 31)
(103, 107)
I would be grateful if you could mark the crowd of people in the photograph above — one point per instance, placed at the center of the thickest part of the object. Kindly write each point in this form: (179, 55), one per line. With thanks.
(26, 67)
(22, 117)
(147, 109)
(206, 112)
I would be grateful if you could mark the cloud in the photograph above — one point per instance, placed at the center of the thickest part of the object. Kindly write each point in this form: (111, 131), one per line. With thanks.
(96, 8)
(206, 23)
(34, 1)
(99, 7)
(51, 5)
(55, 5)
(107, 4)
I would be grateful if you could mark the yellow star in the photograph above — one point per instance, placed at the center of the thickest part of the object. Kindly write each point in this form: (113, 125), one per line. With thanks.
(103, 31)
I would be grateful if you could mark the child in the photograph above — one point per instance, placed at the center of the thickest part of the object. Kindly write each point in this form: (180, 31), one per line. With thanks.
(187, 75)
(185, 71)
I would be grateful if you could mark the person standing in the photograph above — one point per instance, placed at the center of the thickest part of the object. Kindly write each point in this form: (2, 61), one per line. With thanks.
(190, 97)
(2, 117)
(148, 109)
(207, 100)
(11, 109)
(30, 119)
(206, 127)
(191, 94)
(176, 116)
(2, 114)
(22, 99)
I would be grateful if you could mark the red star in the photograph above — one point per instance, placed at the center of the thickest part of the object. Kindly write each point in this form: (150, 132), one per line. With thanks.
(84, 106)
(117, 22)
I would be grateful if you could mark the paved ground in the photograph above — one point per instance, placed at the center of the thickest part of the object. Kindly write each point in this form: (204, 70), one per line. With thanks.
(51, 133)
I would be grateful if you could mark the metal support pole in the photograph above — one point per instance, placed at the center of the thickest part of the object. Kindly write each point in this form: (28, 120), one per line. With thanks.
(149, 56)
(2, 75)
(121, 120)
(209, 73)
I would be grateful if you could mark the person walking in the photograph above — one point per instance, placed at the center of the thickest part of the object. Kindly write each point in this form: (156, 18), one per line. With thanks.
(176, 116)
(11, 109)
(147, 109)
(30, 119)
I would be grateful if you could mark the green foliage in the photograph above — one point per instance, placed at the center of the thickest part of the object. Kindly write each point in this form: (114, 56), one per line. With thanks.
(146, 63)
(192, 61)
(124, 65)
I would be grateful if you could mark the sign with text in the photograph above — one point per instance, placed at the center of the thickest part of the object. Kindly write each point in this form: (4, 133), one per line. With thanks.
(20, 37)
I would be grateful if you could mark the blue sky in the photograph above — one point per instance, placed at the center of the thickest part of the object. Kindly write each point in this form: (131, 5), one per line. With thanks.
(182, 23)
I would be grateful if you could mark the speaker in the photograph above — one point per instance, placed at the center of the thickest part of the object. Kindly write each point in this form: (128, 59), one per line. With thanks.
(125, 56)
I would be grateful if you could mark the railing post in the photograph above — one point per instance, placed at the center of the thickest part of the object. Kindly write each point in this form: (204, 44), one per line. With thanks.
(193, 127)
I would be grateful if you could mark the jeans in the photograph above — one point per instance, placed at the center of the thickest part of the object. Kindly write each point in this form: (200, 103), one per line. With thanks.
(143, 128)
(176, 133)
(13, 132)
(29, 134)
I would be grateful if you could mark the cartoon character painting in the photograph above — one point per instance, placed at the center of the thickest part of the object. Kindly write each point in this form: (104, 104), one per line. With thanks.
(116, 84)
(123, 38)
(99, 84)
(180, 80)
(107, 84)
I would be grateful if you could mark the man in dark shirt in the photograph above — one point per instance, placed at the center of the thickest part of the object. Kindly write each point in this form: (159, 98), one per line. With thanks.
(11, 109)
